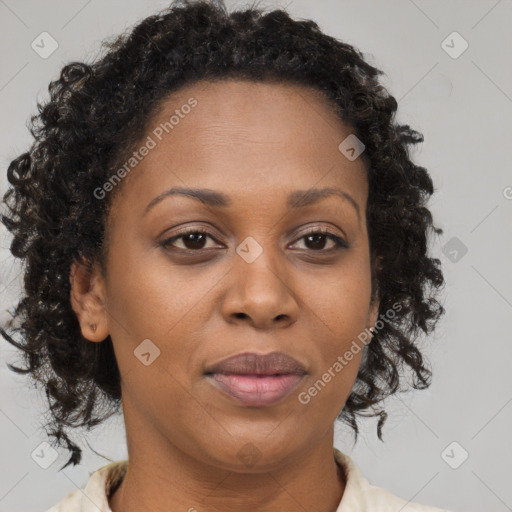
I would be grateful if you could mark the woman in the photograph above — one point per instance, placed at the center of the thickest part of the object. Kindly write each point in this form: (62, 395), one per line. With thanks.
(225, 235)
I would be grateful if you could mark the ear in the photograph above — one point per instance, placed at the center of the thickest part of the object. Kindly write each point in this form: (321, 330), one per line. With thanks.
(88, 300)
(373, 312)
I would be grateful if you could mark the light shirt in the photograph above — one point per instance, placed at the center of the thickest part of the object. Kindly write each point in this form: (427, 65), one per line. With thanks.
(359, 494)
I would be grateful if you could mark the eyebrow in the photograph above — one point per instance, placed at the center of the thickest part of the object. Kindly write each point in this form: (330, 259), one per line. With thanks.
(297, 199)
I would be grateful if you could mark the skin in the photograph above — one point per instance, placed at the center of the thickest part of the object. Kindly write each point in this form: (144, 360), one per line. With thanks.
(256, 143)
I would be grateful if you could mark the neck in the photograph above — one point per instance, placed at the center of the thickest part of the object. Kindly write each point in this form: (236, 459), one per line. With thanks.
(160, 473)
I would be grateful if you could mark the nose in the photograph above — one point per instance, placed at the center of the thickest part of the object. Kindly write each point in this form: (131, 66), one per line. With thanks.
(260, 294)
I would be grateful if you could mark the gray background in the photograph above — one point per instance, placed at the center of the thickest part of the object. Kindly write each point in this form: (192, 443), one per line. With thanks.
(463, 107)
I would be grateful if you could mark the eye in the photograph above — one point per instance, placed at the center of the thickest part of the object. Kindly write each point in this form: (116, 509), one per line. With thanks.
(194, 240)
(316, 240)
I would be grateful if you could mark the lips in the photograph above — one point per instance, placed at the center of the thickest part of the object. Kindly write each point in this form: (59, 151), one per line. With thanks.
(257, 380)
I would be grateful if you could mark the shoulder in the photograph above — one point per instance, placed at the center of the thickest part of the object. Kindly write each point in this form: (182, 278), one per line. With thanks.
(94, 496)
(362, 496)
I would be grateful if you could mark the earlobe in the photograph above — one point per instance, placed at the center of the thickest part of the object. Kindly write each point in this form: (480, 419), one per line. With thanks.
(88, 299)
(373, 315)
(373, 312)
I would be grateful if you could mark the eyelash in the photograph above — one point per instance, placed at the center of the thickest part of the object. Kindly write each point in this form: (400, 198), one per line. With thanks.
(339, 242)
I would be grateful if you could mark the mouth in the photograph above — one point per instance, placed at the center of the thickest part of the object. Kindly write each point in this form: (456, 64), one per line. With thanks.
(257, 380)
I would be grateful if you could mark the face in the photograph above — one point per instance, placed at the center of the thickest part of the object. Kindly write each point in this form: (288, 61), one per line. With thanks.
(252, 266)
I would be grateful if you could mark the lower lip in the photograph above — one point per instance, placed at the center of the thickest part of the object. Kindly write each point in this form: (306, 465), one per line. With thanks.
(256, 391)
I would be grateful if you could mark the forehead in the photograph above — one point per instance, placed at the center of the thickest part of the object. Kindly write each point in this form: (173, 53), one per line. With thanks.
(229, 111)
(241, 135)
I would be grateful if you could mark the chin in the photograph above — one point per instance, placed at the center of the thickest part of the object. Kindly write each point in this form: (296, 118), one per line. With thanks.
(255, 454)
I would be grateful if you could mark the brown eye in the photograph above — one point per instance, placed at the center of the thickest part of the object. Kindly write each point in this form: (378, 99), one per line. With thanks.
(317, 240)
(196, 239)
(192, 240)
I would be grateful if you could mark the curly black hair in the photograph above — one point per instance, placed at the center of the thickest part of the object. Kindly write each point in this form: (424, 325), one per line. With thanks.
(95, 116)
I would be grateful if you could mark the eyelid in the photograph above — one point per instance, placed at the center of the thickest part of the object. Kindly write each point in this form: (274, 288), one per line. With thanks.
(340, 241)
(318, 229)
(186, 231)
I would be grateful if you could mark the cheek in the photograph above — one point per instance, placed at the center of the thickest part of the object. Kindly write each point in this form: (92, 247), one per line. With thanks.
(147, 293)
(153, 300)
(325, 393)
(341, 300)
(340, 307)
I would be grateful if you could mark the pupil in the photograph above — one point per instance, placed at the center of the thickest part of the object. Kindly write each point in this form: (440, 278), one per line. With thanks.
(194, 239)
(316, 239)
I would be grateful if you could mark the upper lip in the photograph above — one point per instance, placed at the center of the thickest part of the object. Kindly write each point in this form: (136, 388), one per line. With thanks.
(250, 363)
